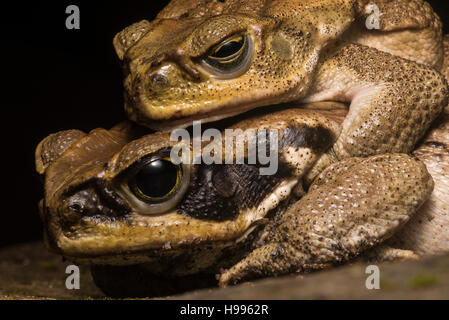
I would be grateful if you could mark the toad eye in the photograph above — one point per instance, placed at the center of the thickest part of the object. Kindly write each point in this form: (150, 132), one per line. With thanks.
(231, 58)
(156, 185)
(156, 180)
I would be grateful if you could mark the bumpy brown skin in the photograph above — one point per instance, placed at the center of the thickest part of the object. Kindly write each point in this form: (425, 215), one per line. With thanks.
(303, 50)
(427, 232)
(339, 217)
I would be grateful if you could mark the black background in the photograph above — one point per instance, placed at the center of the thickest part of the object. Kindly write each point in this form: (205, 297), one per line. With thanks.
(56, 79)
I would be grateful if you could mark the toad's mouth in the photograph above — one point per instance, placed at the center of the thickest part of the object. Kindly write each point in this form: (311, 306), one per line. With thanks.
(137, 239)
(157, 257)
(197, 244)
(141, 239)
(215, 111)
(204, 118)
(223, 118)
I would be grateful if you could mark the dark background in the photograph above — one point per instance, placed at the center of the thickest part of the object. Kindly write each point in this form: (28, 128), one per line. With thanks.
(56, 79)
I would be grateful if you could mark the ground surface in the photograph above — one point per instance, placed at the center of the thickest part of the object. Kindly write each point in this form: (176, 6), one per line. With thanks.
(30, 272)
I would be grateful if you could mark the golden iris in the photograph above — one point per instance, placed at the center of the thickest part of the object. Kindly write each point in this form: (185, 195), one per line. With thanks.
(230, 54)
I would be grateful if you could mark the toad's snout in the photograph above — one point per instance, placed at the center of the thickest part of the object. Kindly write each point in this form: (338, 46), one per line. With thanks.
(91, 201)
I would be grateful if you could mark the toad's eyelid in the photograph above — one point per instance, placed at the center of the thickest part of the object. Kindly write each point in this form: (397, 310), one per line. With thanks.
(212, 43)
(136, 150)
(140, 163)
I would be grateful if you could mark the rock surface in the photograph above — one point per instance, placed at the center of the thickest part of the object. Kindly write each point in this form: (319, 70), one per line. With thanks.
(29, 271)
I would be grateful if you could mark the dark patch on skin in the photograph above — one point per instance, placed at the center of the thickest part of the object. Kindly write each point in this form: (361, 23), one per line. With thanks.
(318, 139)
(111, 198)
(435, 144)
(95, 198)
(203, 201)
(220, 192)
(223, 184)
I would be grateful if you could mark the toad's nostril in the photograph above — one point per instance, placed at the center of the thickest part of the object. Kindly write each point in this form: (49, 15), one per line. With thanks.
(159, 80)
(76, 207)
(84, 202)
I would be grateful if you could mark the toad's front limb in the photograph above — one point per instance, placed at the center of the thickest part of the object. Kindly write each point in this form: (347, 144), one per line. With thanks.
(352, 206)
(393, 100)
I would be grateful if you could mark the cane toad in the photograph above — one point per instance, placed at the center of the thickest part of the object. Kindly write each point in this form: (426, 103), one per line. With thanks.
(208, 60)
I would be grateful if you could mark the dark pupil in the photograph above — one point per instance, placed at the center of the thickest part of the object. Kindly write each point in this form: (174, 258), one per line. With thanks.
(157, 178)
(228, 49)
